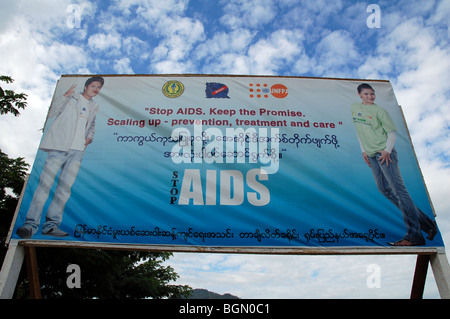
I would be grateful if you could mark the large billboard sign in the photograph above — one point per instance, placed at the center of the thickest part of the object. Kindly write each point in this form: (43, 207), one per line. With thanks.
(231, 161)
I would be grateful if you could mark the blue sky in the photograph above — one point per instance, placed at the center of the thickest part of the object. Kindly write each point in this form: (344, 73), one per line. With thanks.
(40, 40)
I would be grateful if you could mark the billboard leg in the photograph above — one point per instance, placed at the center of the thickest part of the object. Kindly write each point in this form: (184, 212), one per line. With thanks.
(11, 269)
(33, 274)
(420, 276)
(441, 271)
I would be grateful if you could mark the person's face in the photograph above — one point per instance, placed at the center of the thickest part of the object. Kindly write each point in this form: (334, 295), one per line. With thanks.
(92, 89)
(367, 96)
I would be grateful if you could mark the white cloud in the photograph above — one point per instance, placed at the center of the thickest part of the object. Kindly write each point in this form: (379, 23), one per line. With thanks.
(174, 49)
(102, 42)
(135, 48)
(35, 12)
(175, 35)
(154, 11)
(336, 53)
(298, 277)
(376, 67)
(189, 29)
(311, 16)
(247, 14)
(267, 55)
(221, 44)
(441, 15)
(32, 59)
(62, 56)
(228, 63)
(172, 67)
(122, 66)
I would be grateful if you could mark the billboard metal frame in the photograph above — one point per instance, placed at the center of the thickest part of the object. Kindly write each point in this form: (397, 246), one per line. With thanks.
(18, 250)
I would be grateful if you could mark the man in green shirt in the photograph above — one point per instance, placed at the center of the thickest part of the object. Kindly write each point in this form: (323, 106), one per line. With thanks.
(376, 135)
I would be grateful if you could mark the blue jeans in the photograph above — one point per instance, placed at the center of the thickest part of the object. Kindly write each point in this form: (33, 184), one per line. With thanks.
(390, 183)
(69, 163)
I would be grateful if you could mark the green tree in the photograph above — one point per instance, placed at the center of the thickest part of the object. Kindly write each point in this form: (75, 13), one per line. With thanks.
(13, 172)
(105, 274)
(11, 102)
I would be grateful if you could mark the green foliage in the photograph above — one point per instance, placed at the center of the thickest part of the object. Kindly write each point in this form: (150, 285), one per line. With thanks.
(106, 274)
(11, 102)
(12, 176)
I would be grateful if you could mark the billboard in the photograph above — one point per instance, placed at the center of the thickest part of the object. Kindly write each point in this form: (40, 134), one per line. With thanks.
(232, 161)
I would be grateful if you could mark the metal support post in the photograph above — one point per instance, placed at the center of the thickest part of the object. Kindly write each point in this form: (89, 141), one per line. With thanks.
(420, 275)
(33, 274)
(11, 269)
(441, 271)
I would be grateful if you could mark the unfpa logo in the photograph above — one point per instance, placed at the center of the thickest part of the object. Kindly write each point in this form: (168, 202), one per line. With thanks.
(173, 89)
(279, 91)
(258, 90)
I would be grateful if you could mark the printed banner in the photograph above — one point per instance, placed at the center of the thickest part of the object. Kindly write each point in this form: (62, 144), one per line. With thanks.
(236, 161)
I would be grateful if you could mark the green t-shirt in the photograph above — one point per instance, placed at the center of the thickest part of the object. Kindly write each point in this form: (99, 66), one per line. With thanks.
(372, 124)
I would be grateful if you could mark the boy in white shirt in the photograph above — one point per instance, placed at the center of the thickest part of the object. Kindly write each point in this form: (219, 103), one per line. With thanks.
(65, 142)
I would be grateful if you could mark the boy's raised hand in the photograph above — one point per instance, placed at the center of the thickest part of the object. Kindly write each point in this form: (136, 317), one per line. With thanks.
(70, 91)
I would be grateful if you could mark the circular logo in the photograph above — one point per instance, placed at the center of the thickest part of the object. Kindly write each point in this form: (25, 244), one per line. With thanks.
(173, 89)
(279, 91)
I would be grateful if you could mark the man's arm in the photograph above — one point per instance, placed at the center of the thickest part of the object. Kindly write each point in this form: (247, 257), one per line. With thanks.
(59, 102)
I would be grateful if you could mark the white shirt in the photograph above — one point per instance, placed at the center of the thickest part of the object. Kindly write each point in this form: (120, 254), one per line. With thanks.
(79, 139)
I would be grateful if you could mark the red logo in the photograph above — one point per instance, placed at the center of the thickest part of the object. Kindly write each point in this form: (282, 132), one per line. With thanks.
(279, 91)
(258, 90)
